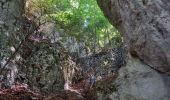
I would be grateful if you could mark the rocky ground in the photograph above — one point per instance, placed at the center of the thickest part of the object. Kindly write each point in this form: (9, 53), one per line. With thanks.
(80, 91)
(99, 65)
(19, 93)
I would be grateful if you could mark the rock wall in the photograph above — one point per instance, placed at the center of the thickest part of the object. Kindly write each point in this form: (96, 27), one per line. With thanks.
(104, 61)
(10, 21)
(11, 12)
(144, 25)
(41, 68)
(138, 81)
(37, 62)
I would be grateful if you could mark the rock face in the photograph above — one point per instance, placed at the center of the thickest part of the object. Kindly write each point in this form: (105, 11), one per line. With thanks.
(38, 61)
(98, 64)
(41, 68)
(104, 61)
(144, 25)
(10, 20)
(10, 16)
(145, 28)
(11, 11)
(138, 81)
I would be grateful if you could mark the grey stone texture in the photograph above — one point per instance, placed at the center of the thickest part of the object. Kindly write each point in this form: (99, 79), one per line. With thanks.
(145, 26)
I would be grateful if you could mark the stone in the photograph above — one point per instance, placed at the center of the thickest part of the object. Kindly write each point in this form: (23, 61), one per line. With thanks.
(138, 81)
(0, 5)
(44, 76)
(5, 5)
(1, 22)
(114, 96)
(3, 0)
(144, 24)
(43, 71)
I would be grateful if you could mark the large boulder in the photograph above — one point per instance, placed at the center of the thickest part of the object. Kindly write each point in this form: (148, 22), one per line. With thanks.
(145, 28)
(138, 81)
(41, 66)
(144, 25)
(11, 13)
(10, 20)
(37, 59)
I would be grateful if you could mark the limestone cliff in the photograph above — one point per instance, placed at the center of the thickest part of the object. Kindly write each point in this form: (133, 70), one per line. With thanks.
(144, 25)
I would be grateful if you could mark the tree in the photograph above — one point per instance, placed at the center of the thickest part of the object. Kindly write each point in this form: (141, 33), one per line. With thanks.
(81, 19)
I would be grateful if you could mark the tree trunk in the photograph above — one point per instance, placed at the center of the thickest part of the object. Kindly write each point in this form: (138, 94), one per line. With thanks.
(145, 26)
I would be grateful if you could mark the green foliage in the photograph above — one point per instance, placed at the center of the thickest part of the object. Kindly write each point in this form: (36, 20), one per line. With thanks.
(81, 19)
